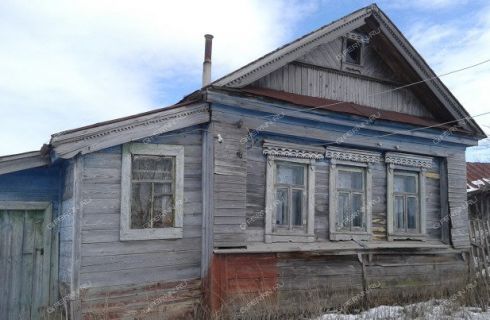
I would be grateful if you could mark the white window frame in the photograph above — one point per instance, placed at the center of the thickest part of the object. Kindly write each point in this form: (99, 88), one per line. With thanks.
(274, 234)
(175, 232)
(393, 233)
(294, 153)
(335, 167)
(345, 157)
(406, 163)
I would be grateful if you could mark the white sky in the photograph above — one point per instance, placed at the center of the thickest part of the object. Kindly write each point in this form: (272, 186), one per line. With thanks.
(64, 64)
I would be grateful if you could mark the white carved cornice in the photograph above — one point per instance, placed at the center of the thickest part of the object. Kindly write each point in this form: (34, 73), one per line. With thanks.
(355, 155)
(409, 160)
(292, 150)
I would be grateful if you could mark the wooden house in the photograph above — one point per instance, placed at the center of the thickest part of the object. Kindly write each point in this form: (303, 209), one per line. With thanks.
(478, 187)
(323, 167)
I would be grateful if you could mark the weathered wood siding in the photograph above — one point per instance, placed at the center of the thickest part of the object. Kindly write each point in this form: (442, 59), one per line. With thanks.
(65, 226)
(395, 276)
(458, 205)
(38, 184)
(329, 56)
(230, 180)
(299, 282)
(108, 263)
(256, 173)
(324, 83)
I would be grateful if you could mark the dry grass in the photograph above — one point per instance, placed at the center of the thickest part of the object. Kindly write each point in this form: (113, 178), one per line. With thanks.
(314, 303)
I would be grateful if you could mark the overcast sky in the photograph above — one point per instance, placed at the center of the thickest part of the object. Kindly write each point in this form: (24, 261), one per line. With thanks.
(64, 64)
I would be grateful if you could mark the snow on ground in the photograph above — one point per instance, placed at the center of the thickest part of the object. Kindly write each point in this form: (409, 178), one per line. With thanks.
(432, 310)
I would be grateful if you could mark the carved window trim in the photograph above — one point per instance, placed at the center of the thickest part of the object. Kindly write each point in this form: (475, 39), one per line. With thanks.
(411, 163)
(341, 158)
(277, 151)
(175, 232)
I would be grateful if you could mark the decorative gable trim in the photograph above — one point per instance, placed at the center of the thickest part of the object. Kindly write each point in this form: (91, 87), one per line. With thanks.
(352, 155)
(291, 150)
(67, 145)
(423, 69)
(341, 28)
(293, 50)
(409, 160)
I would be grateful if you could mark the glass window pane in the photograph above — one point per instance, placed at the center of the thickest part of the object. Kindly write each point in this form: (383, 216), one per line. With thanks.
(349, 180)
(163, 206)
(343, 219)
(290, 174)
(412, 212)
(282, 207)
(403, 183)
(152, 191)
(356, 210)
(398, 208)
(297, 207)
(140, 205)
(152, 168)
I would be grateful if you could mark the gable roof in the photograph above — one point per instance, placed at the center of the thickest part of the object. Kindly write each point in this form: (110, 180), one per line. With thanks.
(477, 176)
(372, 17)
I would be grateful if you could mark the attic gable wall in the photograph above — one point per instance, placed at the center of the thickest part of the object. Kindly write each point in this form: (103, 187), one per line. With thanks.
(329, 56)
(313, 81)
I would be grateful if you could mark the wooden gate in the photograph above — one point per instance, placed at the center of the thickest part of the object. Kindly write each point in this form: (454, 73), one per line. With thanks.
(25, 260)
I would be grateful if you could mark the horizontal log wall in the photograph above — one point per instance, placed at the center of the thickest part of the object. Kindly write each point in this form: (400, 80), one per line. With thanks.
(230, 178)
(256, 169)
(111, 267)
(297, 282)
(158, 300)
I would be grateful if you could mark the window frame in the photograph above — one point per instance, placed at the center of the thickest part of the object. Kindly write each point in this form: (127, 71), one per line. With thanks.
(175, 232)
(304, 234)
(343, 165)
(350, 192)
(347, 65)
(290, 189)
(420, 230)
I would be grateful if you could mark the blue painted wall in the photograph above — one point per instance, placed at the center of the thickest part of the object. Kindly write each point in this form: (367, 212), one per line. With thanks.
(37, 184)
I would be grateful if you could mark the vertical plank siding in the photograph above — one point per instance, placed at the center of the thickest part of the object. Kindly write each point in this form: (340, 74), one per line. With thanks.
(130, 274)
(311, 81)
(41, 184)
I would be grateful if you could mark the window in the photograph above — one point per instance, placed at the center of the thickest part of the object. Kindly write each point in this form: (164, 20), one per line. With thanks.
(350, 200)
(152, 192)
(353, 51)
(406, 195)
(350, 193)
(290, 191)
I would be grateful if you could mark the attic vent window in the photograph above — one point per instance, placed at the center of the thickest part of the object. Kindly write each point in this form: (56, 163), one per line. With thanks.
(353, 51)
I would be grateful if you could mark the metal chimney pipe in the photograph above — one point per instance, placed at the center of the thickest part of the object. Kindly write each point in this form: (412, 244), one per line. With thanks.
(206, 65)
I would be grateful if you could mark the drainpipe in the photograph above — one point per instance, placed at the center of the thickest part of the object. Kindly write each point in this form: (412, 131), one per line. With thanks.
(206, 66)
